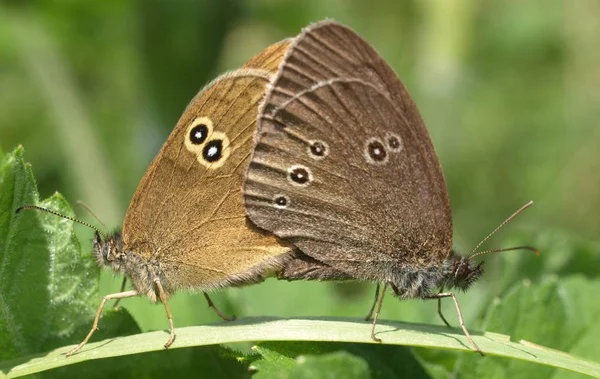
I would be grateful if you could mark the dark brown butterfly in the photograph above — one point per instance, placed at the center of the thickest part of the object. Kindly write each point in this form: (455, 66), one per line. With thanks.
(344, 169)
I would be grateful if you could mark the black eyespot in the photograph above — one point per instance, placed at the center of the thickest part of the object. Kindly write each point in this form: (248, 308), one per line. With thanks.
(393, 142)
(213, 151)
(299, 175)
(376, 151)
(198, 134)
(318, 149)
(281, 201)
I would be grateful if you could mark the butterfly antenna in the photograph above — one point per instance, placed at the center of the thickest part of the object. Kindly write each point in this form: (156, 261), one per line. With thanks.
(87, 208)
(35, 207)
(474, 253)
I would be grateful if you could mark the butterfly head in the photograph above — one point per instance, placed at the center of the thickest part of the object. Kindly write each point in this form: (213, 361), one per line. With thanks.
(109, 250)
(462, 273)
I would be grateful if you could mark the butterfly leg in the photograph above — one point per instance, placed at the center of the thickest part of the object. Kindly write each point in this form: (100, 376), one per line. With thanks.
(163, 299)
(440, 313)
(122, 290)
(439, 296)
(440, 309)
(368, 316)
(120, 295)
(377, 314)
(212, 306)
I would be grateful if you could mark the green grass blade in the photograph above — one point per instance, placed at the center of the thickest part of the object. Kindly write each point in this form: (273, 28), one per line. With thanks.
(271, 329)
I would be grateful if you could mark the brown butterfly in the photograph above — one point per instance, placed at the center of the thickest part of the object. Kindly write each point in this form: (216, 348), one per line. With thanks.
(186, 227)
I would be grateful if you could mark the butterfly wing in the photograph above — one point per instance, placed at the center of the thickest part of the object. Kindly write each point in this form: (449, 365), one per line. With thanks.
(327, 50)
(270, 58)
(188, 212)
(316, 179)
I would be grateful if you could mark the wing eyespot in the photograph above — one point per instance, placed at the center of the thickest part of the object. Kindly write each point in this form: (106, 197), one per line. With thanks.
(299, 175)
(394, 142)
(375, 151)
(215, 152)
(318, 149)
(197, 133)
(210, 147)
(281, 201)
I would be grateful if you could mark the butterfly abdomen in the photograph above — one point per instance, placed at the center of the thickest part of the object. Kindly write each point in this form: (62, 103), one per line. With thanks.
(413, 284)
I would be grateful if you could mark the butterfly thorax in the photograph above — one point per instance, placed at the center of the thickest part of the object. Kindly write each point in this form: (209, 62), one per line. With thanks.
(110, 252)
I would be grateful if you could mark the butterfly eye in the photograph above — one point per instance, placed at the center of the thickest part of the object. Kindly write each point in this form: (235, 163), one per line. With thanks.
(375, 151)
(318, 149)
(299, 175)
(108, 252)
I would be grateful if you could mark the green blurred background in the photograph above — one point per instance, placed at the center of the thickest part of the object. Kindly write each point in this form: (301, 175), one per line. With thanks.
(510, 92)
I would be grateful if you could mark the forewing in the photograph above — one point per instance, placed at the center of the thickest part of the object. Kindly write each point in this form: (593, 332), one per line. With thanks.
(270, 58)
(188, 210)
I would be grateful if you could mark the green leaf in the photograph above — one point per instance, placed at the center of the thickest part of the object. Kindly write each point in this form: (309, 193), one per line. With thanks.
(24, 262)
(268, 329)
(73, 276)
(49, 288)
(205, 361)
(339, 364)
(555, 313)
(272, 362)
(304, 359)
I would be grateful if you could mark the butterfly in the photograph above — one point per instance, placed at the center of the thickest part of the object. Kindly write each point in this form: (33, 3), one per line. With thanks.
(345, 170)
